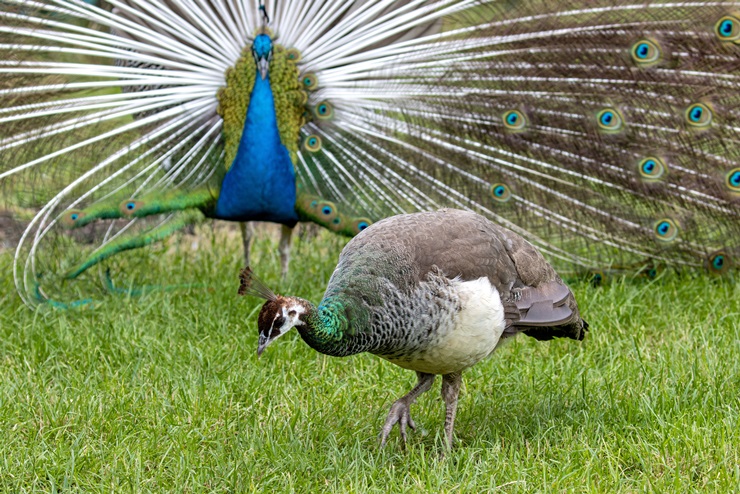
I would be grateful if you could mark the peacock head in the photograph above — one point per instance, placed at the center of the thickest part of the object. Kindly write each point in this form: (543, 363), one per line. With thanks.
(262, 53)
(279, 314)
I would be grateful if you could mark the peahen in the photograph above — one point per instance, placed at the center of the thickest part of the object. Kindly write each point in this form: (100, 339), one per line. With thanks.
(432, 292)
(605, 132)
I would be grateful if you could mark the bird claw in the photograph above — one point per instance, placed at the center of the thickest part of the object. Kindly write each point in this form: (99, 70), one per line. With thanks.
(400, 414)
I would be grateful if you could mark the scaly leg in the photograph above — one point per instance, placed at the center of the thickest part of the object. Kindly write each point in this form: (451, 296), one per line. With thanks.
(247, 233)
(286, 234)
(400, 410)
(450, 391)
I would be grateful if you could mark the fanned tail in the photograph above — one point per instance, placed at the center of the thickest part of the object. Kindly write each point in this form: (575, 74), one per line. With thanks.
(603, 131)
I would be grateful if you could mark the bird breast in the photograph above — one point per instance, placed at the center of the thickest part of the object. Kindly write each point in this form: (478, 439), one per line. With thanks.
(467, 337)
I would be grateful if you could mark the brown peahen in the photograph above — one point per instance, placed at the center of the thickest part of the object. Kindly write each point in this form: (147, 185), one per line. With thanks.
(433, 292)
(605, 132)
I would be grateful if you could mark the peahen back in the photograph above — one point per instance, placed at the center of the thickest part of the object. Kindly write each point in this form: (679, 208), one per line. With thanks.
(605, 132)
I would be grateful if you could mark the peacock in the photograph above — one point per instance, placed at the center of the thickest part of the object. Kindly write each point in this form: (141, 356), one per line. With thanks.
(433, 292)
(605, 132)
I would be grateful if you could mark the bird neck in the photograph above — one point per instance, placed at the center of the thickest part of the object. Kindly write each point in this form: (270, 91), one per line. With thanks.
(327, 329)
(260, 184)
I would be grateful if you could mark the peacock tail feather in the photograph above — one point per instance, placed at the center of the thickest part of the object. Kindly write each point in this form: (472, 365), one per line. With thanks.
(604, 131)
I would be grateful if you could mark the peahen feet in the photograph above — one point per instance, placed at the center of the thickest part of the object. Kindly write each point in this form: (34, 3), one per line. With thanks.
(400, 412)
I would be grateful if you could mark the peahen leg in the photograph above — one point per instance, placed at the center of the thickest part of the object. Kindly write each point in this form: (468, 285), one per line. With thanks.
(450, 391)
(400, 410)
(286, 235)
(247, 233)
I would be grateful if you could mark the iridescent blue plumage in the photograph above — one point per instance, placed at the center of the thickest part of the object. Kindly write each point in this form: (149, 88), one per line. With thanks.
(260, 184)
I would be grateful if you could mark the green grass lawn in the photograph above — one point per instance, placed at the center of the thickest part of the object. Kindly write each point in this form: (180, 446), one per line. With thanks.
(164, 393)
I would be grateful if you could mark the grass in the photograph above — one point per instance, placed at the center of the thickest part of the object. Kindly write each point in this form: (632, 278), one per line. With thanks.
(164, 393)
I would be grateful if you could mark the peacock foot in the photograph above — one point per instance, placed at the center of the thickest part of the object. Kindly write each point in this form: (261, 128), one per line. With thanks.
(400, 414)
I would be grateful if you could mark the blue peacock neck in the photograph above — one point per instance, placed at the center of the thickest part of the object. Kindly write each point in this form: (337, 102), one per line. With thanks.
(260, 184)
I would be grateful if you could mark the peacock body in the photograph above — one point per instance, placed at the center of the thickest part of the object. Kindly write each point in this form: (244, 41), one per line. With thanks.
(432, 292)
(604, 132)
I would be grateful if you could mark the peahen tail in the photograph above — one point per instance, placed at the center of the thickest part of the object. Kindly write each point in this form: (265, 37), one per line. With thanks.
(605, 132)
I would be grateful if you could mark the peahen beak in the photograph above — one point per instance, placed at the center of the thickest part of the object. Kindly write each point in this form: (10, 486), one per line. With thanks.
(262, 344)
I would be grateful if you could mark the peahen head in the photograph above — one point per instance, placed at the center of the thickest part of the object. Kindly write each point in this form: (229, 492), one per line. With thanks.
(262, 53)
(279, 314)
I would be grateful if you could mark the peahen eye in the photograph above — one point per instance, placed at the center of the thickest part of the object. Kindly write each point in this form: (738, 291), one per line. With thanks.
(645, 52)
(728, 28)
(666, 230)
(699, 115)
(610, 120)
(652, 168)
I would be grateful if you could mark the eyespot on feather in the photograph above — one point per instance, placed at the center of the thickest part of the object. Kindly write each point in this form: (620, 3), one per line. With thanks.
(312, 143)
(72, 217)
(698, 115)
(130, 207)
(360, 224)
(309, 81)
(727, 28)
(293, 55)
(324, 111)
(666, 230)
(733, 180)
(646, 52)
(500, 192)
(514, 120)
(719, 262)
(610, 120)
(652, 168)
(325, 210)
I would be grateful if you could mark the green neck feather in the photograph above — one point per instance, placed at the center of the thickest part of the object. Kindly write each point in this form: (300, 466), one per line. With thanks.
(328, 329)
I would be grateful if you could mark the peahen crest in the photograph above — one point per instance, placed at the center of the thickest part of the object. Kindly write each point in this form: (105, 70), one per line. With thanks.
(603, 131)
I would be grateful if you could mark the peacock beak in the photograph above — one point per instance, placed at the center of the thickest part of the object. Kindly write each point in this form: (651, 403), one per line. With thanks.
(263, 65)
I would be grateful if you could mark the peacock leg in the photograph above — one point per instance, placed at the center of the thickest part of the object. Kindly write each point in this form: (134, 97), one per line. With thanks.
(286, 235)
(181, 220)
(400, 410)
(450, 391)
(247, 230)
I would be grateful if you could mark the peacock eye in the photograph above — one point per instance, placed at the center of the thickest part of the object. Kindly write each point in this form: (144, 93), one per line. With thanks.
(610, 120)
(698, 115)
(733, 180)
(645, 52)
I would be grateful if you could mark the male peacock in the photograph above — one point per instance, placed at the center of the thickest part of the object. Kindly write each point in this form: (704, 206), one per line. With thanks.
(433, 292)
(603, 131)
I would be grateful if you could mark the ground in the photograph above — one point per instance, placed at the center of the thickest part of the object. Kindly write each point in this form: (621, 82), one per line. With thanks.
(165, 393)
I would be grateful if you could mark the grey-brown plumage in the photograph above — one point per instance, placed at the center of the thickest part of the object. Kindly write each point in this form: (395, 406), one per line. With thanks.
(432, 292)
